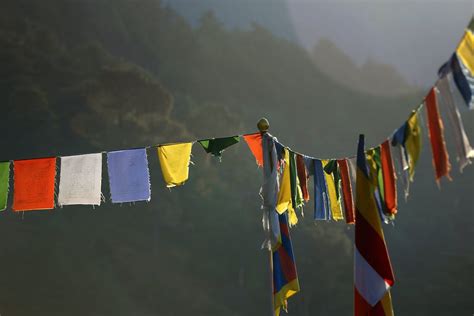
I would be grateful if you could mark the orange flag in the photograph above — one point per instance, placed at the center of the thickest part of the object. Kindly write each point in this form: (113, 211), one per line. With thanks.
(34, 184)
(254, 141)
(441, 162)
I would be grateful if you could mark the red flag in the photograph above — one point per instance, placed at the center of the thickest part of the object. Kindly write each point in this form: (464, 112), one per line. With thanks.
(347, 191)
(441, 162)
(389, 184)
(302, 176)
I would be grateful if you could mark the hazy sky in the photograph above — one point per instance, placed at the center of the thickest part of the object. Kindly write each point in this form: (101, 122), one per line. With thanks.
(415, 36)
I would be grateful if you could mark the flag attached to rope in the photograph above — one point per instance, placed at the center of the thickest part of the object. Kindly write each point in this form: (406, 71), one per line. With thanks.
(302, 176)
(463, 80)
(464, 150)
(465, 51)
(254, 141)
(129, 177)
(174, 162)
(334, 187)
(441, 162)
(285, 276)
(216, 146)
(4, 184)
(270, 188)
(373, 271)
(34, 184)
(285, 194)
(296, 193)
(408, 141)
(80, 180)
(389, 179)
(346, 191)
(321, 200)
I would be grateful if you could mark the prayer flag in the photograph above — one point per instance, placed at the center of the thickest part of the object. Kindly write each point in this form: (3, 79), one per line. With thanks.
(463, 147)
(333, 190)
(408, 137)
(373, 270)
(285, 276)
(270, 188)
(34, 184)
(254, 141)
(413, 142)
(302, 176)
(463, 79)
(174, 162)
(465, 51)
(4, 184)
(284, 196)
(389, 179)
(346, 191)
(296, 194)
(321, 199)
(129, 177)
(80, 180)
(216, 146)
(441, 162)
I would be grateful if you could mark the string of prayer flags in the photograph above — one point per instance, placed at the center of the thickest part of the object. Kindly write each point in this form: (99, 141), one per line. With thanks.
(441, 162)
(283, 266)
(321, 200)
(346, 191)
(34, 184)
(464, 151)
(254, 141)
(174, 162)
(80, 180)
(129, 176)
(372, 268)
(333, 189)
(216, 146)
(4, 184)
(389, 179)
(284, 202)
(302, 176)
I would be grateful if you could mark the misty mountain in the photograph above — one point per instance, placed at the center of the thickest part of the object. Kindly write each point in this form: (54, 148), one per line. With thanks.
(371, 77)
(271, 14)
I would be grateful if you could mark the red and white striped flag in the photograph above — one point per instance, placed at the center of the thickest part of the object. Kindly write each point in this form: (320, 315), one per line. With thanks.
(373, 272)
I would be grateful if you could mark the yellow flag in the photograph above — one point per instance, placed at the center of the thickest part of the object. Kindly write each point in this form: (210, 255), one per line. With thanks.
(335, 203)
(174, 162)
(413, 143)
(284, 196)
(465, 51)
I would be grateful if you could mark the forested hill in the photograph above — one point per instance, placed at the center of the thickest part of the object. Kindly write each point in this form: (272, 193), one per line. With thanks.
(248, 73)
(85, 76)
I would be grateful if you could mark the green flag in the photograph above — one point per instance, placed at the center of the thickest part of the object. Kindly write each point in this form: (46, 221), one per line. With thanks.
(216, 146)
(4, 184)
